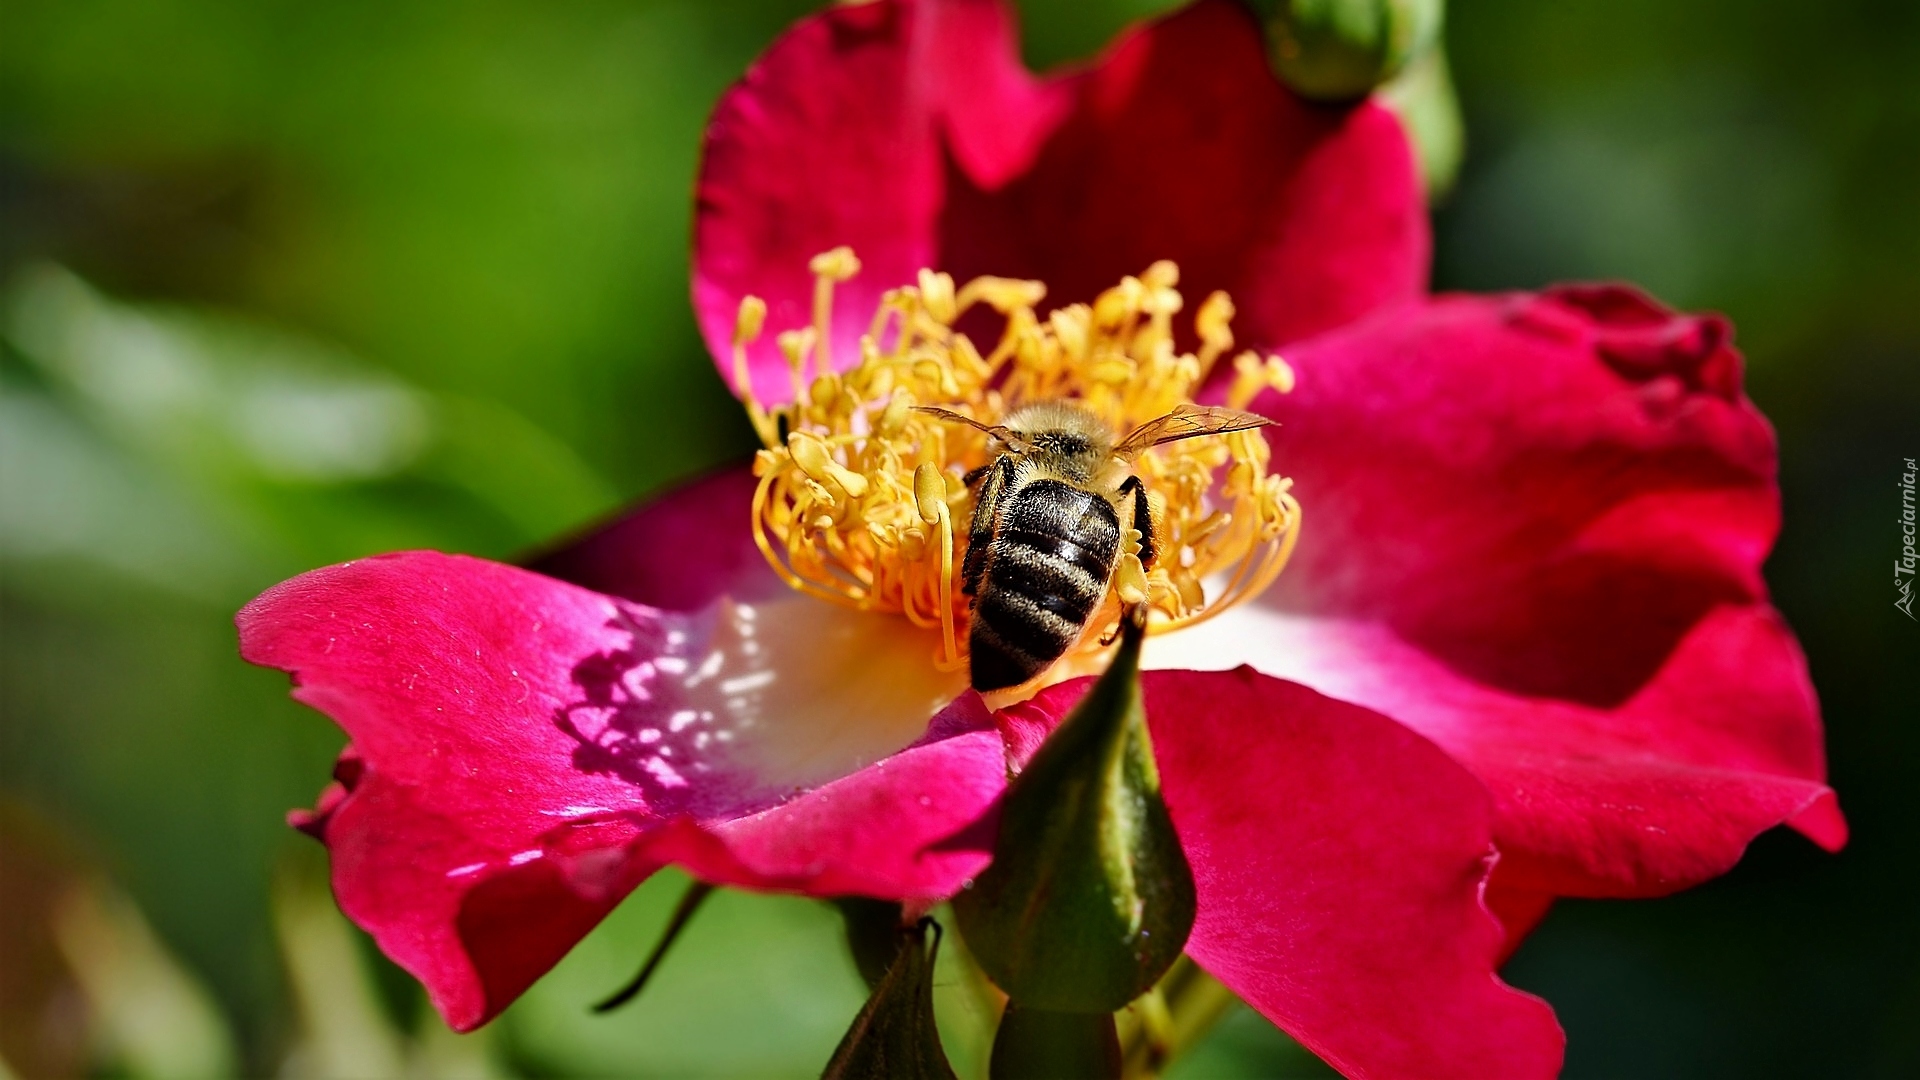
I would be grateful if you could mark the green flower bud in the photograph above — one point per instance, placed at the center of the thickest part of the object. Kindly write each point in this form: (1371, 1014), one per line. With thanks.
(1339, 50)
(894, 1037)
(1089, 898)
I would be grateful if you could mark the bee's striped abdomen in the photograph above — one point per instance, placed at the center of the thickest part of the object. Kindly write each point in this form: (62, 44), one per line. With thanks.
(1046, 571)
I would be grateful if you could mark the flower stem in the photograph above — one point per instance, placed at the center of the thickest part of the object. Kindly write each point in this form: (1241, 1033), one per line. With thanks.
(1174, 1017)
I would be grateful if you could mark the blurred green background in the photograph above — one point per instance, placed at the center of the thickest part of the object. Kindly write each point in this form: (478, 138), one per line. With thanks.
(286, 283)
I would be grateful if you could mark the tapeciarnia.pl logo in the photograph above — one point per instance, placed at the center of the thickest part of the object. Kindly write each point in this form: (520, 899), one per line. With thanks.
(1904, 565)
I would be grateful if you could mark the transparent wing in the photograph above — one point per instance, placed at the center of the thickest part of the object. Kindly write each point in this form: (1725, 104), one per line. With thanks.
(1188, 422)
(952, 417)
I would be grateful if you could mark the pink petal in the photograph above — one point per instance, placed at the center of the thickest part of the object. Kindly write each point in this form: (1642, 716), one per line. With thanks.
(1182, 145)
(1519, 910)
(832, 138)
(1534, 526)
(680, 551)
(868, 834)
(1658, 793)
(1340, 861)
(1545, 491)
(912, 132)
(525, 752)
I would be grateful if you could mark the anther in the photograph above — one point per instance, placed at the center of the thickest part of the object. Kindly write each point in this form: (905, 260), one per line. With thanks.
(1252, 375)
(930, 497)
(1069, 325)
(748, 324)
(1130, 577)
(810, 453)
(929, 493)
(837, 266)
(1118, 304)
(1213, 322)
(1003, 295)
(794, 345)
(936, 292)
(829, 269)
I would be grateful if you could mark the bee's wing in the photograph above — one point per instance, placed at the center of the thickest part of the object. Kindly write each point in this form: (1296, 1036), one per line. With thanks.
(1187, 422)
(950, 416)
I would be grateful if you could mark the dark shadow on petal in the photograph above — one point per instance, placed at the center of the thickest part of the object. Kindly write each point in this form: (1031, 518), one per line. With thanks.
(635, 720)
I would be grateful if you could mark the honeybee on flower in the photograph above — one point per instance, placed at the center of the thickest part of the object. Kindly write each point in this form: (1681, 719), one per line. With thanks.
(862, 482)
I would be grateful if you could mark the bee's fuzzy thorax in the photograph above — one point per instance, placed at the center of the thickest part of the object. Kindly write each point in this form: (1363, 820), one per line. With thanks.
(864, 496)
(1063, 438)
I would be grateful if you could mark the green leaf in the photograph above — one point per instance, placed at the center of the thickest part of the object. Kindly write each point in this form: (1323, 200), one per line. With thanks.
(1089, 898)
(894, 1037)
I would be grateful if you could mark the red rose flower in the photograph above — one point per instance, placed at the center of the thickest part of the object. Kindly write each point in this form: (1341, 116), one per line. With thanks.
(1538, 518)
(1527, 617)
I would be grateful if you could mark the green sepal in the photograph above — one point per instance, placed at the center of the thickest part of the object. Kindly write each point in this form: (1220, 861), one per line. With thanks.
(1089, 898)
(1424, 99)
(894, 1036)
(1339, 50)
(1034, 1044)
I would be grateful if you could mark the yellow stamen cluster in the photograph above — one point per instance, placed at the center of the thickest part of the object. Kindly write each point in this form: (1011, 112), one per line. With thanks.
(861, 499)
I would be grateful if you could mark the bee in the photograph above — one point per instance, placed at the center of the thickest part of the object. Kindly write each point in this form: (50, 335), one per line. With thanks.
(1047, 524)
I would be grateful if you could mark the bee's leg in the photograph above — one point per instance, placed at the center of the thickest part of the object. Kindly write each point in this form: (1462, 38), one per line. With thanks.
(1140, 516)
(974, 476)
(986, 511)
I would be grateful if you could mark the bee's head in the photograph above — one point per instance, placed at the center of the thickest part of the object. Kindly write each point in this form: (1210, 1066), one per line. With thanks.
(1065, 443)
(1067, 436)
